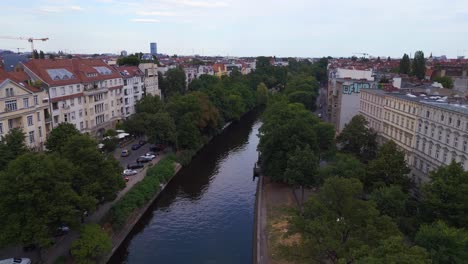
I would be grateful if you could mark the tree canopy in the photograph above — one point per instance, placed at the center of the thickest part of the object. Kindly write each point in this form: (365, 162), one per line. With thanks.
(357, 139)
(405, 64)
(92, 244)
(419, 65)
(60, 135)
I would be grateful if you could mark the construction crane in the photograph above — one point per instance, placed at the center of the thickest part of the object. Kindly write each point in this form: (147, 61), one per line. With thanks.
(30, 40)
(360, 53)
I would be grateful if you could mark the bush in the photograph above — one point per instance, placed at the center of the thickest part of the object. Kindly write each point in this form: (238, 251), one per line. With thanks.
(141, 193)
(92, 244)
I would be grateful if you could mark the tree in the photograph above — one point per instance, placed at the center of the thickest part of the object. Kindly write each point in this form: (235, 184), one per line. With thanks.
(388, 168)
(357, 139)
(285, 126)
(262, 94)
(419, 65)
(326, 133)
(301, 170)
(446, 81)
(445, 244)
(11, 146)
(343, 165)
(174, 82)
(35, 55)
(390, 200)
(41, 55)
(161, 129)
(308, 99)
(92, 245)
(405, 64)
(131, 60)
(150, 104)
(445, 196)
(37, 198)
(96, 177)
(336, 222)
(393, 250)
(60, 135)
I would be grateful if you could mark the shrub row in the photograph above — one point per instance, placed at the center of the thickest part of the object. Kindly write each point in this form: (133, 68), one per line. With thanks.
(141, 193)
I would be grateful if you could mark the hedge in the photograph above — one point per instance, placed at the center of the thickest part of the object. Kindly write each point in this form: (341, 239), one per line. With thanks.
(141, 193)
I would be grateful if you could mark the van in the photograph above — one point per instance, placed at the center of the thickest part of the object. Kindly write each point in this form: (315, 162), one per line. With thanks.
(16, 261)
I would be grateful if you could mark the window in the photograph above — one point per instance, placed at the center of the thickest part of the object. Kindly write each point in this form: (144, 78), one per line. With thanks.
(36, 102)
(9, 92)
(70, 89)
(62, 90)
(81, 125)
(39, 129)
(53, 92)
(99, 119)
(437, 154)
(78, 88)
(455, 142)
(38, 116)
(447, 138)
(1, 128)
(79, 100)
(430, 149)
(458, 123)
(98, 97)
(417, 144)
(444, 159)
(428, 114)
(432, 132)
(424, 146)
(440, 134)
(450, 120)
(425, 130)
(112, 103)
(72, 115)
(465, 145)
(99, 108)
(112, 113)
(25, 102)
(30, 120)
(10, 105)
(31, 137)
(80, 113)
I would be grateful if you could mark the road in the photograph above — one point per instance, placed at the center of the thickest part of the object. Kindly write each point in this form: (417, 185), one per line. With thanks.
(63, 244)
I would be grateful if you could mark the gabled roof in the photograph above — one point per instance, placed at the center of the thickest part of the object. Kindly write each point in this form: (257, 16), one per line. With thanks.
(18, 79)
(129, 71)
(56, 72)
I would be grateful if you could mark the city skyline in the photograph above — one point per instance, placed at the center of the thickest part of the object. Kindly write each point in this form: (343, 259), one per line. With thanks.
(240, 28)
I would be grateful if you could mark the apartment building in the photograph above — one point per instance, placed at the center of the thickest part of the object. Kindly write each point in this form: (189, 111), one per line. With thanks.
(430, 130)
(133, 88)
(23, 106)
(84, 92)
(150, 70)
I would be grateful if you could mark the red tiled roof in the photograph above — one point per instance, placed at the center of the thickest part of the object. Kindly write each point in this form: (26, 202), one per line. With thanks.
(131, 70)
(18, 78)
(80, 68)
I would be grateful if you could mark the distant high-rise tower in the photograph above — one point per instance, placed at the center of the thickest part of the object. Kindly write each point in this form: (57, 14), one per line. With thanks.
(123, 53)
(153, 48)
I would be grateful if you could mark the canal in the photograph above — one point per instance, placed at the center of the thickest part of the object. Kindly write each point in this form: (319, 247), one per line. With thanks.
(206, 213)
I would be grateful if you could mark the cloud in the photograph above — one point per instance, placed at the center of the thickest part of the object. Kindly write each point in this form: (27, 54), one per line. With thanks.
(60, 9)
(204, 4)
(144, 20)
(158, 13)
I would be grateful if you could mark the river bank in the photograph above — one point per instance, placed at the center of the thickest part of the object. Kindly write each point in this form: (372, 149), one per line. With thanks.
(206, 212)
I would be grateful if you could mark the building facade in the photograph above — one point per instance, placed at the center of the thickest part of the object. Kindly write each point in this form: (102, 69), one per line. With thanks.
(84, 92)
(150, 71)
(133, 88)
(26, 107)
(153, 48)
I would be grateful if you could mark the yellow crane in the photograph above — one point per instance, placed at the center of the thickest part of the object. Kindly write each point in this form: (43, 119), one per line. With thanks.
(30, 40)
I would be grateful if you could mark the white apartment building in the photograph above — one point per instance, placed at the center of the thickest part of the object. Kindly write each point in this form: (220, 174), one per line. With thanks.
(150, 70)
(84, 92)
(23, 106)
(133, 88)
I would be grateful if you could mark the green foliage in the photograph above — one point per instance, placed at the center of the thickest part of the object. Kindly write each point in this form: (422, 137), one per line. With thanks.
(336, 222)
(445, 244)
(392, 250)
(262, 94)
(343, 165)
(388, 168)
(405, 64)
(446, 195)
(419, 65)
(92, 244)
(149, 104)
(390, 200)
(308, 99)
(446, 81)
(358, 140)
(301, 169)
(37, 198)
(285, 126)
(141, 193)
(173, 83)
(95, 176)
(131, 60)
(11, 146)
(60, 135)
(161, 129)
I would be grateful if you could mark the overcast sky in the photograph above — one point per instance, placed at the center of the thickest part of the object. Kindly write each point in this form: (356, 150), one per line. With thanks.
(306, 28)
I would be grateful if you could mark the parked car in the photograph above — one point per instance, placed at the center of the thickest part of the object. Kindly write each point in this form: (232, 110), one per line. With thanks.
(135, 166)
(128, 172)
(143, 159)
(16, 261)
(152, 153)
(125, 153)
(136, 146)
(142, 142)
(62, 230)
(148, 156)
(157, 147)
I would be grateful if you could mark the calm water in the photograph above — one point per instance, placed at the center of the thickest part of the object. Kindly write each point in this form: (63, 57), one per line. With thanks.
(205, 215)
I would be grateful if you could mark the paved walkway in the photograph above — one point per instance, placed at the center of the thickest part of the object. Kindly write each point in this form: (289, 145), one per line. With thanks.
(63, 244)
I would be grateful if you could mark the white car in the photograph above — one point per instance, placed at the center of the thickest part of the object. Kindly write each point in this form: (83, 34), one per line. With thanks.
(149, 156)
(16, 261)
(129, 172)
